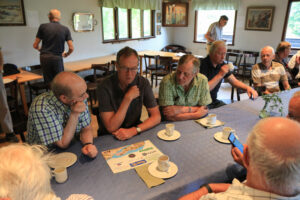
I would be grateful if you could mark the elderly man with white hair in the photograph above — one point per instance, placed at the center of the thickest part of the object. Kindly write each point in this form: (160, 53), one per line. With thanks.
(53, 36)
(268, 73)
(272, 159)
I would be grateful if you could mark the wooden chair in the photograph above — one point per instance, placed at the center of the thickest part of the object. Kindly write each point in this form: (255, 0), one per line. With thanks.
(97, 78)
(19, 119)
(36, 87)
(148, 66)
(235, 58)
(166, 63)
(249, 59)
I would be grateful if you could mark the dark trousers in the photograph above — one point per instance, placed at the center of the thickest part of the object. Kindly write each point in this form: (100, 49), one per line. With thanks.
(51, 66)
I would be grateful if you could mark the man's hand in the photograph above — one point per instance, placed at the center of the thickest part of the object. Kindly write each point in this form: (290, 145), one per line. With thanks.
(202, 110)
(90, 150)
(237, 155)
(172, 110)
(224, 70)
(132, 93)
(78, 107)
(65, 54)
(125, 133)
(297, 60)
(252, 93)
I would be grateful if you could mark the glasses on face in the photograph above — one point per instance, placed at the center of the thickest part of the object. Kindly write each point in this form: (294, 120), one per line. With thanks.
(127, 69)
(186, 74)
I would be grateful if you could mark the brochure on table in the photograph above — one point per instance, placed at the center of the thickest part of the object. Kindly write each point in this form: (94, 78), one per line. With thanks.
(131, 156)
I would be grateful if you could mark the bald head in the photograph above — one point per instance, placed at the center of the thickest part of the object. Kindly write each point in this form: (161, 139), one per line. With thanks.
(267, 55)
(54, 15)
(65, 83)
(294, 107)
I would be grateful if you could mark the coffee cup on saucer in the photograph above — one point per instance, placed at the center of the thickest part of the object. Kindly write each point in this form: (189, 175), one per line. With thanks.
(226, 131)
(60, 174)
(170, 129)
(212, 119)
(163, 163)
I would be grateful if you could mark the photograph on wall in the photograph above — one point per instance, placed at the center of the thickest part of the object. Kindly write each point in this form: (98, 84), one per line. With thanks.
(259, 18)
(12, 13)
(158, 30)
(175, 14)
(158, 17)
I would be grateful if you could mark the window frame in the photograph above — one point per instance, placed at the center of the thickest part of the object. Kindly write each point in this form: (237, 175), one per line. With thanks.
(116, 26)
(196, 23)
(286, 21)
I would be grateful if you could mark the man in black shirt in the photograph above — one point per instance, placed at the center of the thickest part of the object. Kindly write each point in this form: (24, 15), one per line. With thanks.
(215, 69)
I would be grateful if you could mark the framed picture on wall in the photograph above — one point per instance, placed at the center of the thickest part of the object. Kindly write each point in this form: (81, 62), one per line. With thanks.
(158, 30)
(259, 18)
(12, 13)
(158, 18)
(175, 14)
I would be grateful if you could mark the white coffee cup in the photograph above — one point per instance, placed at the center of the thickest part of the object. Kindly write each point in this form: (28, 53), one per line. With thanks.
(226, 131)
(170, 129)
(212, 119)
(60, 174)
(231, 67)
(163, 163)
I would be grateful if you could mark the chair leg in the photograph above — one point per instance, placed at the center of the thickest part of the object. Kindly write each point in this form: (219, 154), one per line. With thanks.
(232, 93)
(238, 94)
(151, 80)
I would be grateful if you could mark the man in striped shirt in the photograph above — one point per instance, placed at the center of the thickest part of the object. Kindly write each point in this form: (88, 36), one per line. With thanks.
(268, 73)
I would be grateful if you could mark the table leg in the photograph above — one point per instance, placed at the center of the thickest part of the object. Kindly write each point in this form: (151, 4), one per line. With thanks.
(23, 98)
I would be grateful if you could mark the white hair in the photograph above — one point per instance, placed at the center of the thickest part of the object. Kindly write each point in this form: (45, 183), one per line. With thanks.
(268, 47)
(281, 174)
(24, 173)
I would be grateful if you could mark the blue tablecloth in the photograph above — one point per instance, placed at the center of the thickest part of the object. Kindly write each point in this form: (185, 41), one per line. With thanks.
(198, 156)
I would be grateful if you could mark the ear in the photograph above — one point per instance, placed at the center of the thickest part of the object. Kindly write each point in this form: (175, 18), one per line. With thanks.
(246, 156)
(63, 98)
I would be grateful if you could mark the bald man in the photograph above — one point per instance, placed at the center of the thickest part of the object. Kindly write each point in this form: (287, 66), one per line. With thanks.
(57, 116)
(272, 159)
(268, 73)
(53, 36)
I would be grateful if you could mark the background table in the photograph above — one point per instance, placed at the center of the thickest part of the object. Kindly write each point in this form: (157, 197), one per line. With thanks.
(198, 156)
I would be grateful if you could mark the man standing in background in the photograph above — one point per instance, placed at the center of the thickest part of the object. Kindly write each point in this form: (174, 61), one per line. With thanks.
(53, 36)
(6, 123)
(214, 31)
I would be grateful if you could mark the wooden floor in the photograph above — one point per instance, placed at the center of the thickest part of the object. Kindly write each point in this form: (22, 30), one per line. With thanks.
(224, 94)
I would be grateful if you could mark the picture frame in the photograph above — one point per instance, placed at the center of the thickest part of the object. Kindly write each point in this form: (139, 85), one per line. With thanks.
(83, 22)
(175, 14)
(12, 13)
(158, 30)
(259, 18)
(158, 18)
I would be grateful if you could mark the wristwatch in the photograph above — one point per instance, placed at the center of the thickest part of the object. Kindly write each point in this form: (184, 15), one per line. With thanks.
(138, 129)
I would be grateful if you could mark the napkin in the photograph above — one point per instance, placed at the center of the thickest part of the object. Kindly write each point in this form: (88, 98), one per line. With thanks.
(202, 122)
(149, 180)
(80, 197)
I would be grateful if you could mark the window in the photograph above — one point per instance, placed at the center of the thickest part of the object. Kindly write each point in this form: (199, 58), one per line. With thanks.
(120, 24)
(291, 32)
(204, 18)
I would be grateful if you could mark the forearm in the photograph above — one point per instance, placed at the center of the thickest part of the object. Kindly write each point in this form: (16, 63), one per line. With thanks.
(86, 135)
(213, 82)
(69, 131)
(238, 84)
(187, 113)
(286, 85)
(153, 120)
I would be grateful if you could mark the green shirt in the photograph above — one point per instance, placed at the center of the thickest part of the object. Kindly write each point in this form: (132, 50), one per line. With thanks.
(171, 93)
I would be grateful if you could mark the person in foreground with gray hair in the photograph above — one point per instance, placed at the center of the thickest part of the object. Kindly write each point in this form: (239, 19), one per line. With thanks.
(184, 95)
(25, 175)
(272, 159)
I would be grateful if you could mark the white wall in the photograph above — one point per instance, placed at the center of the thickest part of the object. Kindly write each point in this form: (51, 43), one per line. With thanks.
(244, 39)
(16, 41)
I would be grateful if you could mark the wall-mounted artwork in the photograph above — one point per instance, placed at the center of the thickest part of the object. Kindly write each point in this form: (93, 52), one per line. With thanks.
(175, 14)
(259, 18)
(158, 30)
(158, 17)
(12, 13)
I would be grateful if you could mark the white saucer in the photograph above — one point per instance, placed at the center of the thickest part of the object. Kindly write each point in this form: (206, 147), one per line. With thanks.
(218, 137)
(65, 159)
(162, 135)
(204, 122)
(172, 171)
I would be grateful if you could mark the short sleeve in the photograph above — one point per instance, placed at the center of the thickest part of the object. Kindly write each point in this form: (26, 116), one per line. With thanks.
(149, 99)
(84, 119)
(166, 96)
(104, 98)
(205, 97)
(255, 74)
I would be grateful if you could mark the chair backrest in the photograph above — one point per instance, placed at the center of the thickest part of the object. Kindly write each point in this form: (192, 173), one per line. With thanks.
(148, 58)
(235, 58)
(102, 67)
(166, 62)
(250, 57)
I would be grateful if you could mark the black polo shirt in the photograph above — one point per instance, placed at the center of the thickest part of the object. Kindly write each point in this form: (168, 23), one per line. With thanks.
(110, 97)
(210, 72)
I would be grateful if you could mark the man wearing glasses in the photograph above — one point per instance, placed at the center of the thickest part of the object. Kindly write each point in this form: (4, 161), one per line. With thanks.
(121, 97)
(184, 95)
(57, 116)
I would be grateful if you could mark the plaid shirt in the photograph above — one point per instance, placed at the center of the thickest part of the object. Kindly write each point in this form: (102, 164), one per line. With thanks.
(170, 93)
(47, 118)
(239, 191)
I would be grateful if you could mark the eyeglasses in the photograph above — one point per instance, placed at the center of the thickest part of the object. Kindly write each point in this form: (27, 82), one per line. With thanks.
(127, 69)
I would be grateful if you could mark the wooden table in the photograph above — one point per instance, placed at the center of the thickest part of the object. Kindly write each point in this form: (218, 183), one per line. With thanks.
(24, 77)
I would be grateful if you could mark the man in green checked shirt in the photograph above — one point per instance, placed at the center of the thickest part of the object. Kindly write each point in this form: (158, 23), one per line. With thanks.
(56, 116)
(183, 95)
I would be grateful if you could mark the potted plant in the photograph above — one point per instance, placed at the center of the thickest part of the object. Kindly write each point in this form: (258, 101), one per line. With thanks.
(273, 106)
